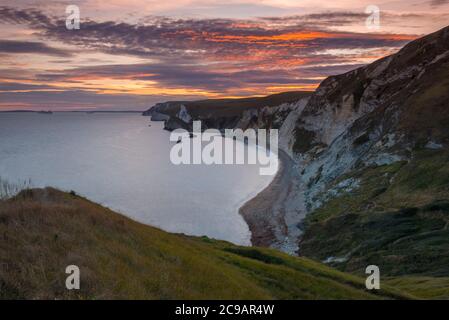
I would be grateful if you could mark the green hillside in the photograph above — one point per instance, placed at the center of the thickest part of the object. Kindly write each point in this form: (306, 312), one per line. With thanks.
(43, 231)
(398, 219)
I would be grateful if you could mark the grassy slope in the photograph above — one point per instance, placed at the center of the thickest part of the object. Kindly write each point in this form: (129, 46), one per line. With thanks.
(228, 107)
(397, 219)
(43, 231)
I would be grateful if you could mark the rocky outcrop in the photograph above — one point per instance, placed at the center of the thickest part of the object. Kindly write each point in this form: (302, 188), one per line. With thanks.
(162, 111)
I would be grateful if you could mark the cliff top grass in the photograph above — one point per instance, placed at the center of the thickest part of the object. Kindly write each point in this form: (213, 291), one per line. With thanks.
(233, 107)
(44, 230)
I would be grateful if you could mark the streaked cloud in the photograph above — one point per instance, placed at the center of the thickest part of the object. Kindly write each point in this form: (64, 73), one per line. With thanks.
(437, 3)
(145, 58)
(11, 46)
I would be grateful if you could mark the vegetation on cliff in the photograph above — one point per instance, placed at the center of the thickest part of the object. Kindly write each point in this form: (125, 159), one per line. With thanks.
(397, 218)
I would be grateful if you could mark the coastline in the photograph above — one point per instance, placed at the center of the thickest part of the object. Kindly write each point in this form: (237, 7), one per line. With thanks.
(271, 214)
(264, 213)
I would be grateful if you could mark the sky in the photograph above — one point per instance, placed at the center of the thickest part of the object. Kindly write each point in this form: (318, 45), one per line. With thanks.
(131, 54)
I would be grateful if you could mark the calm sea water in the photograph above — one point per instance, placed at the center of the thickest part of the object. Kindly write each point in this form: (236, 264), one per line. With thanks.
(119, 161)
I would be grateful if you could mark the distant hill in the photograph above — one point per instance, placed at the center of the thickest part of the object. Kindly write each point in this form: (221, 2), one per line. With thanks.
(223, 107)
(219, 113)
(18, 111)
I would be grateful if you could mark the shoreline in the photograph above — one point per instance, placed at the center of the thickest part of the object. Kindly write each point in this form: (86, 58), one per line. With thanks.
(264, 213)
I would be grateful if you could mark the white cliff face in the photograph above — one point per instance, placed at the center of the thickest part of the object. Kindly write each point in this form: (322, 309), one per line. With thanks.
(159, 112)
(247, 118)
(282, 117)
(331, 153)
(184, 115)
(286, 132)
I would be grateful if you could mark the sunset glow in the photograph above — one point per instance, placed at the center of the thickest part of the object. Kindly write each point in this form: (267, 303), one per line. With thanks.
(126, 57)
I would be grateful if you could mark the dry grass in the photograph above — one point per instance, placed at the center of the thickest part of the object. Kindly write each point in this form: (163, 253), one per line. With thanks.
(8, 189)
(43, 231)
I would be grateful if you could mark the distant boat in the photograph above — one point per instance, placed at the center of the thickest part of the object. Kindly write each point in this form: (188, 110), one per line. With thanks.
(45, 112)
